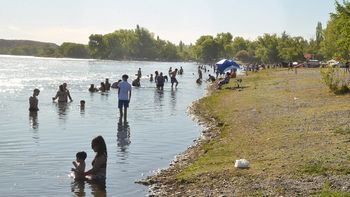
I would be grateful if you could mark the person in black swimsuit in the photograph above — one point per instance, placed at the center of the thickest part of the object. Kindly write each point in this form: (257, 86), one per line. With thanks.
(99, 164)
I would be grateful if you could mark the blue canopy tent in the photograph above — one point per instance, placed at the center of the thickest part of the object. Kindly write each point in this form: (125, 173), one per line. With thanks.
(226, 64)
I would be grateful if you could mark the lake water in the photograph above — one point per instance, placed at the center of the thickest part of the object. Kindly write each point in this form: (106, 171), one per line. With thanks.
(37, 150)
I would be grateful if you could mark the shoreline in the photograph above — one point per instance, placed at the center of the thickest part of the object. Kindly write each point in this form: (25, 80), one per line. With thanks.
(159, 183)
(302, 169)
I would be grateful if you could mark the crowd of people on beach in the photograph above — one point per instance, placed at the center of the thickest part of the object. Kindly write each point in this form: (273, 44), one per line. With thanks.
(124, 88)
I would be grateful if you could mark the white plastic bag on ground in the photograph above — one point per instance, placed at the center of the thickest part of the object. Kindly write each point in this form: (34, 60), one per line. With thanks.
(242, 163)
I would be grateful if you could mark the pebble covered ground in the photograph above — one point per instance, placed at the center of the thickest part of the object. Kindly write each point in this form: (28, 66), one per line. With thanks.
(290, 127)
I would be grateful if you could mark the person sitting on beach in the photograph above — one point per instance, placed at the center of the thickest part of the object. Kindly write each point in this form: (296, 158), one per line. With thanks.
(136, 82)
(160, 81)
(226, 80)
(102, 87)
(33, 101)
(61, 95)
(233, 73)
(92, 88)
(67, 92)
(211, 78)
(107, 85)
(115, 84)
(79, 165)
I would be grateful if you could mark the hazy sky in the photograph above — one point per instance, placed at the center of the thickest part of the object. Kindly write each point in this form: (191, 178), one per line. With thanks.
(74, 20)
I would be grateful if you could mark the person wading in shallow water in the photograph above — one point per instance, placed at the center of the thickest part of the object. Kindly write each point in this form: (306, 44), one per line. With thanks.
(99, 164)
(124, 95)
(33, 101)
(173, 78)
(67, 91)
(61, 95)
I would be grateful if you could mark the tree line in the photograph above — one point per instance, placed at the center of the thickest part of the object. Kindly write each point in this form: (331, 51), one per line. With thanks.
(332, 42)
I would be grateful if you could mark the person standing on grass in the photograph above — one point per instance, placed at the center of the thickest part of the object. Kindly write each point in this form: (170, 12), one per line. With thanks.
(124, 95)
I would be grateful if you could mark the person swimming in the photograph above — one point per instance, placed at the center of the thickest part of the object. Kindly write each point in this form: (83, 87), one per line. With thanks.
(115, 84)
(92, 88)
(82, 105)
(107, 85)
(136, 82)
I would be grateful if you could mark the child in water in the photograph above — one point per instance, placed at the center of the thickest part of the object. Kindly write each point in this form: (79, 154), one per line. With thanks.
(79, 165)
(82, 105)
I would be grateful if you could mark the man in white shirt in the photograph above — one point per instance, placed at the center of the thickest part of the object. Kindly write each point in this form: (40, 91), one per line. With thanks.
(124, 95)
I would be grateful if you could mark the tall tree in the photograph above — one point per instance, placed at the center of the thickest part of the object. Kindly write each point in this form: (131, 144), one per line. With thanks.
(336, 42)
(74, 50)
(207, 49)
(97, 46)
(239, 44)
(319, 33)
(291, 48)
(266, 50)
(224, 41)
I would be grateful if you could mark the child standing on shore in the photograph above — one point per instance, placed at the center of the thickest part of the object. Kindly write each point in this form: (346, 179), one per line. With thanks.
(79, 165)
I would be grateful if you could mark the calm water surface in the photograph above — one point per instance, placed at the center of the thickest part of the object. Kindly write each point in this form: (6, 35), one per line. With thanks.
(37, 150)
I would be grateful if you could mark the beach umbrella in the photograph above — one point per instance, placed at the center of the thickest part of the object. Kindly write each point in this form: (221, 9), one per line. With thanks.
(226, 64)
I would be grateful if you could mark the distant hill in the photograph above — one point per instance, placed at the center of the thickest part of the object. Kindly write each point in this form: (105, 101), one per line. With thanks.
(28, 47)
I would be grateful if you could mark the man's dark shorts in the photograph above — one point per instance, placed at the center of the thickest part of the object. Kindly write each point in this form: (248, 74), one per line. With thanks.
(173, 80)
(123, 103)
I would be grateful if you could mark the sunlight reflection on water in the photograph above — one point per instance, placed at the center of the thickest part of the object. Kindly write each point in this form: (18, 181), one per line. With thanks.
(38, 148)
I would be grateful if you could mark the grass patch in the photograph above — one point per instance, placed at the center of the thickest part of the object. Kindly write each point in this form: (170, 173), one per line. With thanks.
(315, 168)
(343, 131)
(280, 123)
(327, 192)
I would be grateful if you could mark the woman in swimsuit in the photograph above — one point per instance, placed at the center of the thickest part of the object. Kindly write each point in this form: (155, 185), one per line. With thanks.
(61, 95)
(99, 164)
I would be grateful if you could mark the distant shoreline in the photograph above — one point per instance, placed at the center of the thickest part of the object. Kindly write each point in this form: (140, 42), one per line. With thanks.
(68, 58)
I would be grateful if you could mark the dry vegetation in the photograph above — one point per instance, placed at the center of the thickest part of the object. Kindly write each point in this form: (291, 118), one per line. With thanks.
(294, 132)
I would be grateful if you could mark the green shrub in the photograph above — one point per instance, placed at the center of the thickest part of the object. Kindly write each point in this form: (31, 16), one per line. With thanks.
(336, 80)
